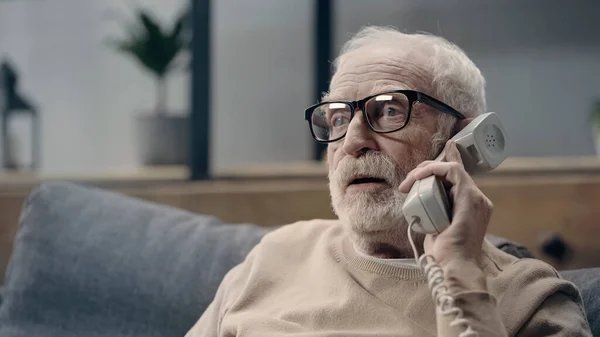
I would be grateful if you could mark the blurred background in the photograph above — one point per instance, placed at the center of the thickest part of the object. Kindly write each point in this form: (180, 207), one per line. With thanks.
(97, 105)
(144, 96)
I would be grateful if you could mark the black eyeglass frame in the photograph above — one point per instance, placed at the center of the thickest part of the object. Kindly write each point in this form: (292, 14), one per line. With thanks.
(412, 95)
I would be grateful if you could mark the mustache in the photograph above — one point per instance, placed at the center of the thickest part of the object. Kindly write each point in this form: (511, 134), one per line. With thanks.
(372, 164)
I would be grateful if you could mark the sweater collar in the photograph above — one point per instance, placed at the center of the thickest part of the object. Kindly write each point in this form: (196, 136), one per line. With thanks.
(354, 259)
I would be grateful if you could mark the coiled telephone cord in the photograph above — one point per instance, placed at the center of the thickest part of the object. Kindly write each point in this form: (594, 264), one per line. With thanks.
(439, 291)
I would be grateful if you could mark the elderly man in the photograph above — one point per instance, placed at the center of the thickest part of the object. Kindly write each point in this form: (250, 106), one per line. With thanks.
(357, 276)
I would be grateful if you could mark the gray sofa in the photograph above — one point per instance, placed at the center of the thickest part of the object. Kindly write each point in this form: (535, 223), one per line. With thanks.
(92, 263)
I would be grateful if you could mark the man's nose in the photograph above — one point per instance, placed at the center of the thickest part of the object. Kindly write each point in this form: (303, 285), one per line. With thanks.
(359, 138)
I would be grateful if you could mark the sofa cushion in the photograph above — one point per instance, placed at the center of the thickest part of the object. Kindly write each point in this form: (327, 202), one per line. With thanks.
(509, 246)
(588, 282)
(93, 263)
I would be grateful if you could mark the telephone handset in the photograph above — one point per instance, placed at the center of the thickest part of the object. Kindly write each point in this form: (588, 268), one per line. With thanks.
(482, 145)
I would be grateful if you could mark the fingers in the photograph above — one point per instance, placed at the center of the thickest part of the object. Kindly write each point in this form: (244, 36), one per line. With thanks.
(452, 172)
(451, 169)
(427, 162)
(452, 153)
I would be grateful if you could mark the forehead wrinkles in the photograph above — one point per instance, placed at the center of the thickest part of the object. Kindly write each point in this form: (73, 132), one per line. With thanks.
(356, 79)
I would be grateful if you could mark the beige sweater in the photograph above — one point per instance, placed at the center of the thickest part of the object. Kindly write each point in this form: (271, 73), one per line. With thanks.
(306, 279)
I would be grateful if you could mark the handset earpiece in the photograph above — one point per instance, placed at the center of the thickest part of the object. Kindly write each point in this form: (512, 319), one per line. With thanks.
(482, 146)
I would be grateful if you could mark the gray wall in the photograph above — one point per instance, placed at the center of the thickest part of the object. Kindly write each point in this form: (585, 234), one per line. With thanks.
(262, 81)
(541, 59)
(90, 95)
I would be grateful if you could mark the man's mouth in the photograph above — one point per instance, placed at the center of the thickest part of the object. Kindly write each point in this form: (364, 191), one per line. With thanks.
(366, 180)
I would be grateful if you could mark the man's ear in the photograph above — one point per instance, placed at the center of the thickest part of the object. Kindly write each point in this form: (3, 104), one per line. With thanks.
(461, 124)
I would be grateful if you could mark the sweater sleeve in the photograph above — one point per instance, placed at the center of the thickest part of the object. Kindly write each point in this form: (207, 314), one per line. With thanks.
(559, 316)
(209, 324)
(479, 311)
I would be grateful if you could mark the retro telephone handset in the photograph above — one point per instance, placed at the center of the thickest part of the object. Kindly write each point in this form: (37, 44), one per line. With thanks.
(482, 146)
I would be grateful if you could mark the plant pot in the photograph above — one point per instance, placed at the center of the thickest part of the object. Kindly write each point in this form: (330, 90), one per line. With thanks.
(596, 136)
(162, 139)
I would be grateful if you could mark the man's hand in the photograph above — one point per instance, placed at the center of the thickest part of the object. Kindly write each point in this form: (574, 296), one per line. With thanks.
(458, 247)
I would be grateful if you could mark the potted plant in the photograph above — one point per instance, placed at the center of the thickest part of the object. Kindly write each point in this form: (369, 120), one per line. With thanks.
(162, 137)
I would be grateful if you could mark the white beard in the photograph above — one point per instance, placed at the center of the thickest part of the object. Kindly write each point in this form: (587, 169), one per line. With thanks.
(368, 213)
(374, 218)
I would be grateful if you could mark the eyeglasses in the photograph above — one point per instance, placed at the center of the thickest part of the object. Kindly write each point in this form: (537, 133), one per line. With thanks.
(386, 112)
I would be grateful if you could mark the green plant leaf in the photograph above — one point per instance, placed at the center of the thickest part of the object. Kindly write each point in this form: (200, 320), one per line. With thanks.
(153, 46)
(180, 24)
(595, 114)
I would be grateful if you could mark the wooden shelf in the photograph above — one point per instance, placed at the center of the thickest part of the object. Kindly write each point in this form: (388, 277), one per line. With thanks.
(516, 166)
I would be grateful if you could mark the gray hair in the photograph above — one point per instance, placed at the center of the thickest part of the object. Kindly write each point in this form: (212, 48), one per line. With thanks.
(456, 80)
